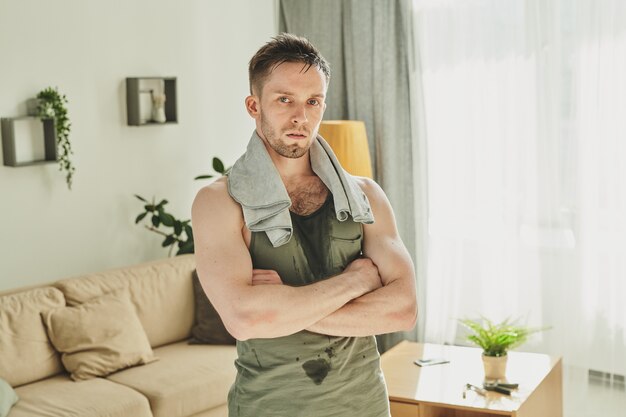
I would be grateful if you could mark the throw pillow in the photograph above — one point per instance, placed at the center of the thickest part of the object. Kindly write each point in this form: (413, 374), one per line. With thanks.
(208, 328)
(99, 337)
(8, 397)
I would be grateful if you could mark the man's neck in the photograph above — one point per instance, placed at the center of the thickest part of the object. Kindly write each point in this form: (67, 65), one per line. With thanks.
(291, 170)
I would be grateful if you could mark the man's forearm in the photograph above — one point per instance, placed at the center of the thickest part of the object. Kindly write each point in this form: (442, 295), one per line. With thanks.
(266, 311)
(385, 310)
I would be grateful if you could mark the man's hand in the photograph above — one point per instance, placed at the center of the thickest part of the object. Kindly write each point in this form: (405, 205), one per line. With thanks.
(265, 277)
(365, 268)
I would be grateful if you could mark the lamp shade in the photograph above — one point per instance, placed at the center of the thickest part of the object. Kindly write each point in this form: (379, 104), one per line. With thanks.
(348, 140)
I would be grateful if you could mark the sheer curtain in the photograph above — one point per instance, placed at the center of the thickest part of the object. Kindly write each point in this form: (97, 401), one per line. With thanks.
(523, 109)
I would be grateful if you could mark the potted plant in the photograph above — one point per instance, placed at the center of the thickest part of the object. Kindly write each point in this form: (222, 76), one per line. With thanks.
(496, 339)
(181, 233)
(50, 104)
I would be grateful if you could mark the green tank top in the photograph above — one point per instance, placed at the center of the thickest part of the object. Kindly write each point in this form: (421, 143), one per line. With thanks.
(308, 374)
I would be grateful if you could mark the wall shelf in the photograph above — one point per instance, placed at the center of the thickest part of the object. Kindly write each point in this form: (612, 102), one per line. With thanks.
(139, 92)
(10, 148)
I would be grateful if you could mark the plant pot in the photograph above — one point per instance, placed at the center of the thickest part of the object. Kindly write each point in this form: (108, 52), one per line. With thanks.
(495, 367)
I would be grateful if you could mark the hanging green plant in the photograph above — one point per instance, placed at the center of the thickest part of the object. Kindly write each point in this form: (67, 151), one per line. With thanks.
(52, 105)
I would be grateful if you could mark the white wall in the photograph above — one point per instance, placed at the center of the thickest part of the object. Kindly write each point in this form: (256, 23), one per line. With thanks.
(87, 48)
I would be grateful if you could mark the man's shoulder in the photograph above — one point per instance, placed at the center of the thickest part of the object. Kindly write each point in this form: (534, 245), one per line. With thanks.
(217, 190)
(376, 196)
(216, 198)
(369, 187)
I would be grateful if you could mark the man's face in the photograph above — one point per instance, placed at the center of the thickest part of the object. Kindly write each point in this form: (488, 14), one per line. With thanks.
(290, 108)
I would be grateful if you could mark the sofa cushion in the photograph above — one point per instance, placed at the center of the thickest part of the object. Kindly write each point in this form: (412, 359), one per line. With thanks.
(98, 337)
(160, 290)
(8, 397)
(27, 354)
(186, 380)
(208, 327)
(60, 396)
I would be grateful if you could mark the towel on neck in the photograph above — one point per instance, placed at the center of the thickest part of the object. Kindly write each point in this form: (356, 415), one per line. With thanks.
(254, 182)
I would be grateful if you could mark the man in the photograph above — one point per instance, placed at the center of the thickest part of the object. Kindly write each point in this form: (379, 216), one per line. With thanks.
(304, 309)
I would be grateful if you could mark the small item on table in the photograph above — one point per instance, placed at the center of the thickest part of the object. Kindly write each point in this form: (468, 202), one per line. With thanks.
(430, 361)
(470, 387)
(497, 388)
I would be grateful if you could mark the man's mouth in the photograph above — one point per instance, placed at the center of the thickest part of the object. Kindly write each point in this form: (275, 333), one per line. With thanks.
(296, 135)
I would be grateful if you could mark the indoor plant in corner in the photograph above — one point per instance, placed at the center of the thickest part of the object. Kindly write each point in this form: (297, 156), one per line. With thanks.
(496, 339)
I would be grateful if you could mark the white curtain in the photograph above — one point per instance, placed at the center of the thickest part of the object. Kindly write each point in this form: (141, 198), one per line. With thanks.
(524, 111)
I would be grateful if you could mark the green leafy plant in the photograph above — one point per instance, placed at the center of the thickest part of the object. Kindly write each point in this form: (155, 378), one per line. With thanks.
(218, 166)
(53, 105)
(497, 338)
(177, 233)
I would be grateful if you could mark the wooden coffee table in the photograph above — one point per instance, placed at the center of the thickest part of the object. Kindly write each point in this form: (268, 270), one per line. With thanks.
(437, 390)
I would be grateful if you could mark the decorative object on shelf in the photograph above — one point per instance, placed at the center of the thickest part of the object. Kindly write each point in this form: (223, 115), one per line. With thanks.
(24, 128)
(349, 142)
(496, 339)
(151, 100)
(50, 104)
(158, 108)
(182, 233)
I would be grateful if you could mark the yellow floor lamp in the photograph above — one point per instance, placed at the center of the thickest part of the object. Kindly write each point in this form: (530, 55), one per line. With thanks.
(348, 140)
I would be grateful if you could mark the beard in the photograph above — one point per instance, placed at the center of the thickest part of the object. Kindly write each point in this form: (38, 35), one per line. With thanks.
(278, 145)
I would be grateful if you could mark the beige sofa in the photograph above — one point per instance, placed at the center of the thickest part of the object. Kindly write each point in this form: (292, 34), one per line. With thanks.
(184, 380)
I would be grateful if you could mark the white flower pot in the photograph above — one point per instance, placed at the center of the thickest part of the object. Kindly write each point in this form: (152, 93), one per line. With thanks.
(495, 367)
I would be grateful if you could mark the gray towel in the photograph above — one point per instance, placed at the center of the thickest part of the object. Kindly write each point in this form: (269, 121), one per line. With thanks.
(254, 182)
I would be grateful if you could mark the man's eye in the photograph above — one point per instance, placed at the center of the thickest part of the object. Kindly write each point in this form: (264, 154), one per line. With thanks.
(283, 100)
(314, 102)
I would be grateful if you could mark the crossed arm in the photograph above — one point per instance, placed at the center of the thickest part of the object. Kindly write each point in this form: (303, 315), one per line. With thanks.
(373, 295)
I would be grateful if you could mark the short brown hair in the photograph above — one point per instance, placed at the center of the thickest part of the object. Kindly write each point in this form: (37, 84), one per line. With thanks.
(285, 47)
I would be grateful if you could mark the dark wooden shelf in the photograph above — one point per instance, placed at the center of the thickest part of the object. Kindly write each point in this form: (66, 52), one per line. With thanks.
(134, 89)
(9, 148)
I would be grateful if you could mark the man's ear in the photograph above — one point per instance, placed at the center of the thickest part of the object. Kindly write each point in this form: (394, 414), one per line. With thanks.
(252, 106)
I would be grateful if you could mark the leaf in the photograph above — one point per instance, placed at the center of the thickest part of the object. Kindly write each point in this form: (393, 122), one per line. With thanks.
(166, 219)
(497, 339)
(186, 247)
(178, 227)
(149, 207)
(162, 203)
(155, 220)
(218, 165)
(140, 217)
(141, 198)
(203, 177)
(168, 241)
(189, 232)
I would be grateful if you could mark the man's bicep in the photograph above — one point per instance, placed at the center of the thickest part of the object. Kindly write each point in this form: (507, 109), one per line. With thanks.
(222, 259)
(382, 242)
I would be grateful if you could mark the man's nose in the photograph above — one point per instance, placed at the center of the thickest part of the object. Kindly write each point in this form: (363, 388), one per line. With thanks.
(299, 115)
